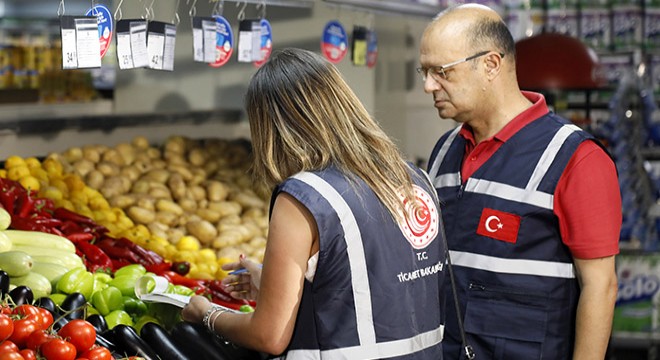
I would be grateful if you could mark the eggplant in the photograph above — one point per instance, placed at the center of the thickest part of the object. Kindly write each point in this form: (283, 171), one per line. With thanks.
(131, 343)
(21, 295)
(193, 338)
(47, 303)
(162, 343)
(98, 322)
(73, 306)
(102, 340)
(4, 284)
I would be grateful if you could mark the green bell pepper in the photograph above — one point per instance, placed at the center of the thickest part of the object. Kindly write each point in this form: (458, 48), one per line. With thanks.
(57, 298)
(77, 280)
(125, 283)
(108, 300)
(134, 270)
(117, 317)
(134, 306)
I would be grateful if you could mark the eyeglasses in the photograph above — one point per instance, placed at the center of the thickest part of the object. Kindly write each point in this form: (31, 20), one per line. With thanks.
(438, 72)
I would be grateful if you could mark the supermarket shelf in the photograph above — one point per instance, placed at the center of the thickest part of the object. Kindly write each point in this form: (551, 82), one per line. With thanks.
(629, 339)
(96, 115)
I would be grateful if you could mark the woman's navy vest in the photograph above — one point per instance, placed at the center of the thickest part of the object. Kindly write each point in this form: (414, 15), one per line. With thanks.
(375, 294)
(517, 287)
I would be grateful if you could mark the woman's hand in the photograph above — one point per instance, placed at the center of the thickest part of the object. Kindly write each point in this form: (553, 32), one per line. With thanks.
(245, 285)
(195, 309)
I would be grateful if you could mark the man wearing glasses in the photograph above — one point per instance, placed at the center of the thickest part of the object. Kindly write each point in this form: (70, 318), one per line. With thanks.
(531, 203)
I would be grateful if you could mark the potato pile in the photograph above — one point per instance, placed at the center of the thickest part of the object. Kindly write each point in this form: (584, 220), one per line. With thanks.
(186, 190)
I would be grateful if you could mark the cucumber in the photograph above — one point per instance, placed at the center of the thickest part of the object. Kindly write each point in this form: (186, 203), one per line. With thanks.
(38, 283)
(40, 239)
(16, 263)
(71, 260)
(5, 219)
(52, 272)
(5, 242)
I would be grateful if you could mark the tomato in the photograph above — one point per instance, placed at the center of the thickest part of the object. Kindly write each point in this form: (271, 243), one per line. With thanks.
(22, 329)
(26, 311)
(80, 333)
(58, 349)
(97, 353)
(28, 354)
(5, 309)
(12, 355)
(37, 338)
(6, 327)
(46, 318)
(8, 346)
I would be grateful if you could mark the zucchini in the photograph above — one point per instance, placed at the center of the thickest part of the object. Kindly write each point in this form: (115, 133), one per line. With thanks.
(71, 260)
(5, 243)
(40, 239)
(5, 219)
(52, 272)
(162, 343)
(16, 263)
(38, 283)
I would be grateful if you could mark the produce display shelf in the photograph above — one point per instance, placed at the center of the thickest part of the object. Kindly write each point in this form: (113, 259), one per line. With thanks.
(97, 115)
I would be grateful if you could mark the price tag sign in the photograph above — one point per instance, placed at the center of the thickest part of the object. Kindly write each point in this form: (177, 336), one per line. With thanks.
(156, 44)
(266, 42)
(138, 32)
(69, 53)
(104, 21)
(249, 40)
(124, 55)
(224, 42)
(168, 53)
(334, 42)
(132, 49)
(204, 39)
(80, 42)
(359, 53)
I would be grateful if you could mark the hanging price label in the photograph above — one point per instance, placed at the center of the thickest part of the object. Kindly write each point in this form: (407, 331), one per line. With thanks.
(80, 42)
(161, 38)
(359, 53)
(249, 40)
(132, 44)
(204, 39)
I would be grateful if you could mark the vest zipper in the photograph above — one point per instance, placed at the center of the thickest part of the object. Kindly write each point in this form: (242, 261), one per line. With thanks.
(460, 191)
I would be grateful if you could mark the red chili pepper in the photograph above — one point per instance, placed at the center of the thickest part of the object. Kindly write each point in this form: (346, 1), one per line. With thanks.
(177, 279)
(148, 255)
(65, 214)
(20, 223)
(158, 268)
(80, 237)
(110, 247)
(26, 204)
(119, 263)
(98, 258)
(44, 207)
(231, 305)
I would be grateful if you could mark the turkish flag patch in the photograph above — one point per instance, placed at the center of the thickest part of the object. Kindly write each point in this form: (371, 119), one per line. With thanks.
(499, 225)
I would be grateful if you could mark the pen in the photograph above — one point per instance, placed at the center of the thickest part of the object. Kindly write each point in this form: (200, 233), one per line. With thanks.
(241, 271)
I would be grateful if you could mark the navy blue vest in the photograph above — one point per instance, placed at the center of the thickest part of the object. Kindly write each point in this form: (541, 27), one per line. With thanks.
(517, 287)
(376, 291)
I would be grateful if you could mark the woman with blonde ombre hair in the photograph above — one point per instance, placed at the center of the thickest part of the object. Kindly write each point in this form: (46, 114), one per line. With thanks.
(354, 262)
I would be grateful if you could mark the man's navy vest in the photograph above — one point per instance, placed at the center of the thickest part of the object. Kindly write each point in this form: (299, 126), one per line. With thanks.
(517, 286)
(370, 295)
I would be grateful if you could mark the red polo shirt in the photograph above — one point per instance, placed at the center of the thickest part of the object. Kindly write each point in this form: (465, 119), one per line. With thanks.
(587, 200)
